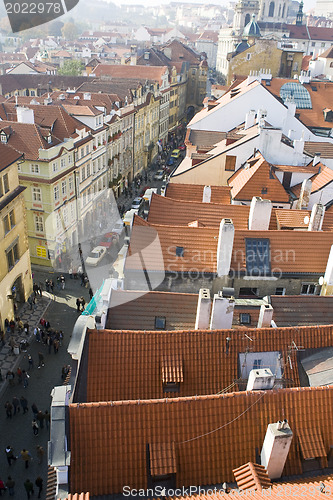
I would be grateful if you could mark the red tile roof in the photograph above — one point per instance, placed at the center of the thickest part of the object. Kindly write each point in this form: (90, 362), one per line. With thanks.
(325, 148)
(130, 310)
(153, 73)
(319, 181)
(194, 192)
(253, 180)
(7, 156)
(297, 310)
(252, 477)
(212, 435)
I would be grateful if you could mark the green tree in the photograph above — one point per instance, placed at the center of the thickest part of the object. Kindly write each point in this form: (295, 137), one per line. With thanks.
(71, 68)
(69, 31)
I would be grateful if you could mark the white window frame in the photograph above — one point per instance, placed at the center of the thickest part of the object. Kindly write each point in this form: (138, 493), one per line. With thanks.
(64, 188)
(56, 193)
(39, 224)
(34, 168)
(36, 194)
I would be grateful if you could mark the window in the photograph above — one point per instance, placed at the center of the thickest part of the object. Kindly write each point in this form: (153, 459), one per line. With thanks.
(39, 224)
(9, 221)
(248, 57)
(62, 162)
(180, 251)
(3, 137)
(70, 183)
(230, 162)
(88, 169)
(1, 188)
(34, 169)
(36, 194)
(5, 183)
(248, 292)
(82, 152)
(280, 291)
(56, 193)
(245, 319)
(257, 256)
(308, 289)
(64, 188)
(83, 174)
(256, 364)
(160, 322)
(69, 159)
(12, 255)
(54, 166)
(271, 9)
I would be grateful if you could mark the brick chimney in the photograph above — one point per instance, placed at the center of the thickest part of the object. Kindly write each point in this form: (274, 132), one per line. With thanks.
(206, 195)
(203, 310)
(304, 197)
(265, 316)
(275, 448)
(224, 247)
(317, 217)
(222, 312)
(260, 214)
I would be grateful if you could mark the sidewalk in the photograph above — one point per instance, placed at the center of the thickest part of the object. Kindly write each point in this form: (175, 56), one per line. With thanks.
(9, 360)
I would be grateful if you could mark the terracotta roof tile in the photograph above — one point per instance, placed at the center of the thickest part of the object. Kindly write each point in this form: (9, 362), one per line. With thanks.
(78, 496)
(257, 180)
(252, 477)
(293, 310)
(162, 459)
(131, 310)
(152, 73)
(311, 443)
(212, 435)
(320, 180)
(324, 148)
(7, 156)
(194, 192)
(172, 368)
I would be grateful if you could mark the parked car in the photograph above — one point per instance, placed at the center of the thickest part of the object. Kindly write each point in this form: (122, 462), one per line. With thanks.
(118, 228)
(136, 203)
(182, 147)
(159, 175)
(96, 255)
(109, 240)
(171, 161)
(175, 154)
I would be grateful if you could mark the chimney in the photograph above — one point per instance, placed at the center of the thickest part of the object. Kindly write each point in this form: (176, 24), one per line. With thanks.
(250, 119)
(203, 310)
(222, 312)
(87, 96)
(25, 115)
(316, 159)
(298, 145)
(291, 105)
(261, 379)
(317, 217)
(206, 195)
(304, 197)
(133, 56)
(260, 214)
(327, 282)
(275, 448)
(265, 316)
(224, 247)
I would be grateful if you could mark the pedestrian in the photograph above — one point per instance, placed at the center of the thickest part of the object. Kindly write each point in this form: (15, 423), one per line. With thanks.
(16, 405)
(25, 378)
(37, 334)
(2, 487)
(10, 377)
(40, 418)
(58, 283)
(62, 281)
(2, 338)
(26, 457)
(34, 409)
(30, 302)
(83, 303)
(40, 453)
(19, 374)
(78, 304)
(20, 326)
(39, 484)
(26, 328)
(10, 454)
(30, 362)
(40, 359)
(55, 346)
(47, 325)
(12, 326)
(29, 487)
(51, 285)
(24, 404)
(35, 427)
(64, 371)
(47, 418)
(47, 285)
(40, 289)
(49, 343)
(35, 289)
(91, 293)
(9, 409)
(10, 485)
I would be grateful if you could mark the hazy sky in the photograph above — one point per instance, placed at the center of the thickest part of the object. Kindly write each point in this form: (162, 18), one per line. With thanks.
(308, 4)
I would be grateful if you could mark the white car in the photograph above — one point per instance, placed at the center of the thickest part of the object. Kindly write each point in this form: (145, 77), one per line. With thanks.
(159, 175)
(95, 256)
(136, 203)
(118, 228)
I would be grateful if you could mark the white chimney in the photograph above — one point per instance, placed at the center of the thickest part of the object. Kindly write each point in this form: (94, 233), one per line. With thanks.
(224, 247)
(298, 145)
(203, 310)
(291, 134)
(317, 217)
(250, 119)
(260, 214)
(265, 316)
(25, 115)
(304, 197)
(291, 105)
(316, 159)
(269, 143)
(327, 283)
(222, 312)
(275, 448)
(261, 379)
(206, 195)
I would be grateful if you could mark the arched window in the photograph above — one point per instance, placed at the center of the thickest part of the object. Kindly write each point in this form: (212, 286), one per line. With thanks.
(271, 9)
(283, 10)
(247, 19)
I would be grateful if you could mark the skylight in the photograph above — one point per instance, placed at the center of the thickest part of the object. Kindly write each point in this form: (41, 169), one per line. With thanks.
(298, 93)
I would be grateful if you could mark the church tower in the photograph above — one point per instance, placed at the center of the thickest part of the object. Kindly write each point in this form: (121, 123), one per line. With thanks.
(243, 13)
(274, 11)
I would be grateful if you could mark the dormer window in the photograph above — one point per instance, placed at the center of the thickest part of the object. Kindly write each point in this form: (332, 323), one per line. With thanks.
(48, 138)
(180, 251)
(172, 372)
(4, 137)
(160, 322)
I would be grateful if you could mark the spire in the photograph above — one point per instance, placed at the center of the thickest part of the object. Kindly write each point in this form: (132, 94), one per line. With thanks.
(299, 17)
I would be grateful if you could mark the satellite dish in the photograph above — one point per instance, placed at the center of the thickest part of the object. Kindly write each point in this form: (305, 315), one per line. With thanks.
(321, 280)
(306, 220)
